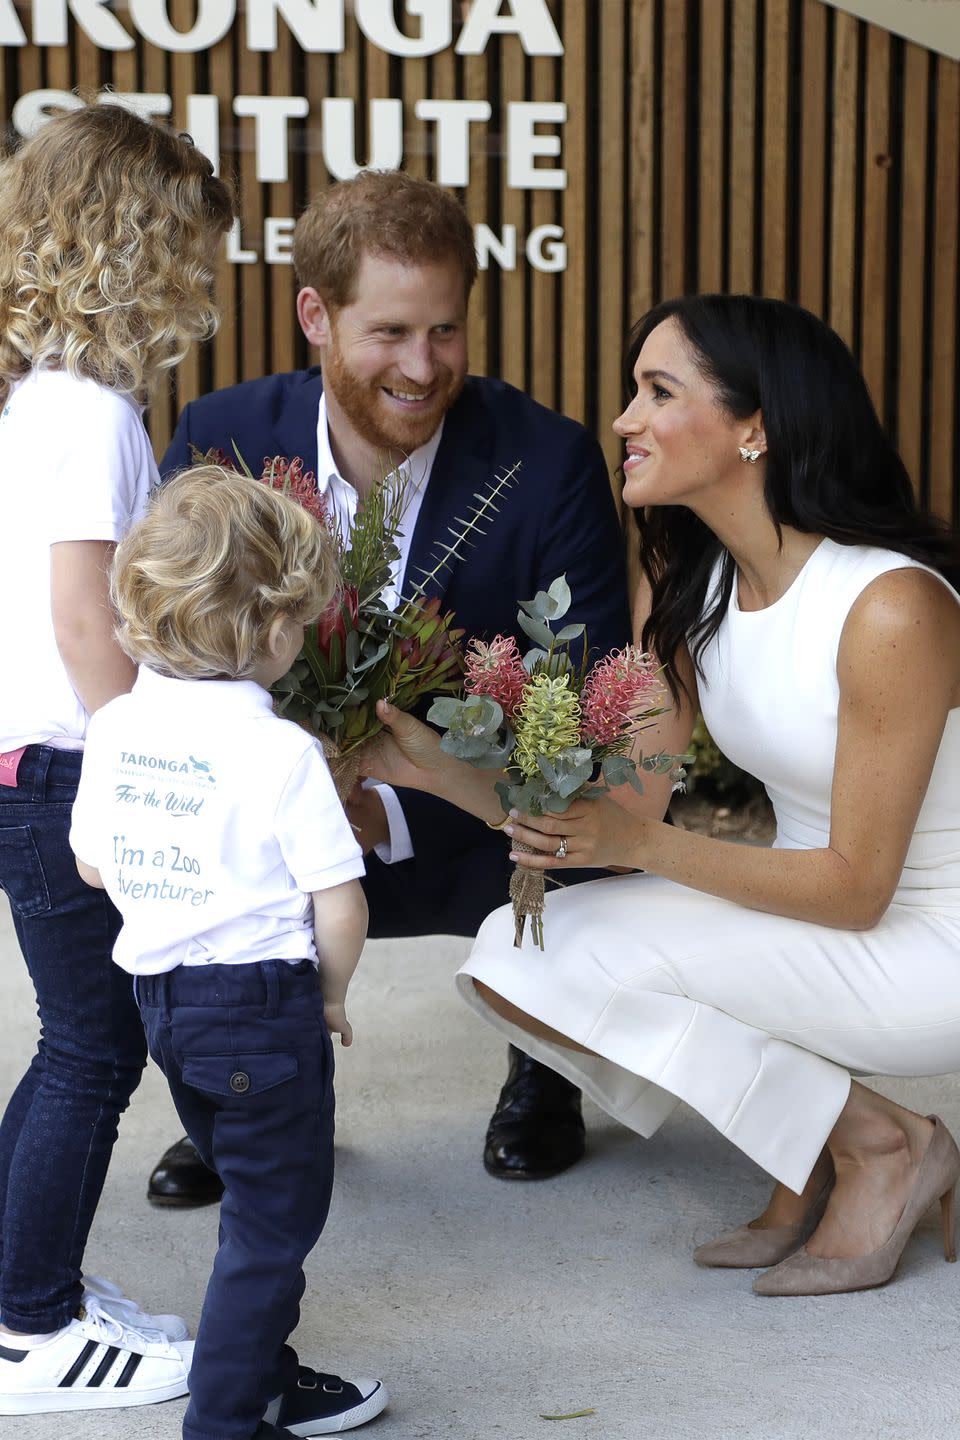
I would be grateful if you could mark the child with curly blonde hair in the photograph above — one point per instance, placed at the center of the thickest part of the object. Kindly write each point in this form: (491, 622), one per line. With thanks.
(108, 230)
(215, 827)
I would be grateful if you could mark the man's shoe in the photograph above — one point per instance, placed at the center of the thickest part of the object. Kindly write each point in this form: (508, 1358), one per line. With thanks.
(326, 1404)
(94, 1363)
(537, 1129)
(181, 1178)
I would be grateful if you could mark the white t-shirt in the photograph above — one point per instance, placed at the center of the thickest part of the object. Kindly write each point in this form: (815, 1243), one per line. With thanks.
(210, 820)
(75, 464)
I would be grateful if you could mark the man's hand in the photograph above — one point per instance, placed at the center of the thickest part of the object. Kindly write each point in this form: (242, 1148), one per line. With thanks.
(368, 817)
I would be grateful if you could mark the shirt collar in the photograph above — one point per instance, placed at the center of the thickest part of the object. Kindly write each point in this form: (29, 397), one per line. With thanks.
(415, 469)
(239, 696)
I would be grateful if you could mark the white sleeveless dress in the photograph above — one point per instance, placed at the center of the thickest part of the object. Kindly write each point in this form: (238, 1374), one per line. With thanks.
(755, 1020)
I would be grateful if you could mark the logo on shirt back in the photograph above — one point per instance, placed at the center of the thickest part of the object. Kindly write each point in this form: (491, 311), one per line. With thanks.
(194, 768)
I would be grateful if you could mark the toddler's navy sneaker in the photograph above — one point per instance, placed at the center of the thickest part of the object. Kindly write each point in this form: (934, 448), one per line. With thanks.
(326, 1404)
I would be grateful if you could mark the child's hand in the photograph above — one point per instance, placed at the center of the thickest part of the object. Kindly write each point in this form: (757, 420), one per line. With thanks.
(338, 1024)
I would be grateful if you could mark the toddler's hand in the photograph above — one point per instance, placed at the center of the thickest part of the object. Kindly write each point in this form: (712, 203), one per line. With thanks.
(338, 1024)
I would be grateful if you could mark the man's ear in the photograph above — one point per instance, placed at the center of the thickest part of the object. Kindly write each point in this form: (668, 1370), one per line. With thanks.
(314, 317)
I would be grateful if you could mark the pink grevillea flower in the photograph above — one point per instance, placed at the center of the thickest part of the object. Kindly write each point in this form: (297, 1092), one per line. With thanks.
(619, 693)
(496, 670)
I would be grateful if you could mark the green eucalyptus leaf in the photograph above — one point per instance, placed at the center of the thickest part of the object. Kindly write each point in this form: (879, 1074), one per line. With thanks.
(475, 750)
(536, 629)
(503, 792)
(443, 711)
(559, 593)
(568, 785)
(570, 633)
(541, 607)
(547, 770)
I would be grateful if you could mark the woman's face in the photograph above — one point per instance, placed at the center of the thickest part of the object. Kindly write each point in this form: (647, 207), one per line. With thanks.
(679, 439)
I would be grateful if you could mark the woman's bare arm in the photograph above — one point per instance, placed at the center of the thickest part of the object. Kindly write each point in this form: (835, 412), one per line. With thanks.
(899, 675)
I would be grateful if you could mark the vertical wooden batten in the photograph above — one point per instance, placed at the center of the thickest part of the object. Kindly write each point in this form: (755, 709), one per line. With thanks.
(782, 146)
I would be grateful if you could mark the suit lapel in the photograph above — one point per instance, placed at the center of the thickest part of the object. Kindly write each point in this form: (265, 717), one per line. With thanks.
(462, 469)
(295, 430)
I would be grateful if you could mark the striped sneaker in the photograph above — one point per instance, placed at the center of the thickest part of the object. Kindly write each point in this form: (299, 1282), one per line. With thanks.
(94, 1363)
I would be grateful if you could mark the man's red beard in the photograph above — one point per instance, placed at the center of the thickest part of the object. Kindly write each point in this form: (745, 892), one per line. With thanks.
(364, 405)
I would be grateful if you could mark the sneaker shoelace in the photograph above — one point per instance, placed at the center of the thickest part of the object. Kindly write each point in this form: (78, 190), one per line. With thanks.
(127, 1312)
(114, 1331)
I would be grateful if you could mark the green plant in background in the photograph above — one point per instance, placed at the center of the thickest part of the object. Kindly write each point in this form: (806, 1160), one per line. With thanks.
(713, 776)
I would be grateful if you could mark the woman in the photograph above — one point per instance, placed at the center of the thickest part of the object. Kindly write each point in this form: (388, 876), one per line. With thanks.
(790, 591)
(108, 230)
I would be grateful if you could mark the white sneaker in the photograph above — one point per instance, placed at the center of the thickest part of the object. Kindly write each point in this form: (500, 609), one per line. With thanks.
(94, 1363)
(110, 1297)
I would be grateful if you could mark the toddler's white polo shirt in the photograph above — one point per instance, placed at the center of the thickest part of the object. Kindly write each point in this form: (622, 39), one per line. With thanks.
(210, 820)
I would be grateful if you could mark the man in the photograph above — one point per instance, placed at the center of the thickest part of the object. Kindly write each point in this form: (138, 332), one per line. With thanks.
(386, 263)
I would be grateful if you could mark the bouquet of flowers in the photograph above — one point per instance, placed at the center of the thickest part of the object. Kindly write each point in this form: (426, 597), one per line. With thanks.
(559, 730)
(360, 650)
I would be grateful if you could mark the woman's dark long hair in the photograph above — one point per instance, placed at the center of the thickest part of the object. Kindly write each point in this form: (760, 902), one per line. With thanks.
(830, 469)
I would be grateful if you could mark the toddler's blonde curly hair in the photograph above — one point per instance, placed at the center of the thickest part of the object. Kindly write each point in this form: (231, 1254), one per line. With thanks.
(108, 230)
(197, 583)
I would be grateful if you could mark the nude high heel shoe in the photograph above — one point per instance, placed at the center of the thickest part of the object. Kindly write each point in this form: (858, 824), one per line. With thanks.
(750, 1248)
(805, 1274)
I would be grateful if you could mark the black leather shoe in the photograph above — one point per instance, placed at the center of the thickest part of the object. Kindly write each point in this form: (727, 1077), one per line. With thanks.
(536, 1130)
(181, 1178)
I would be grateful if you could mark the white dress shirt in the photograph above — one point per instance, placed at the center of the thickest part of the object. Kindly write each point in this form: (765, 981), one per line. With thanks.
(342, 498)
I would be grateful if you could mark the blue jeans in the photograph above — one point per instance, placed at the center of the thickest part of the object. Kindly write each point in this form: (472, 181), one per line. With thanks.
(60, 1124)
(249, 1062)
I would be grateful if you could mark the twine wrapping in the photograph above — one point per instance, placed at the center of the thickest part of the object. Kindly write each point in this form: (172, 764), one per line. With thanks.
(344, 769)
(526, 892)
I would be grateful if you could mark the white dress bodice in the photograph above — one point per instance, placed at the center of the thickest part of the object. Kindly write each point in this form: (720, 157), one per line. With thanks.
(770, 696)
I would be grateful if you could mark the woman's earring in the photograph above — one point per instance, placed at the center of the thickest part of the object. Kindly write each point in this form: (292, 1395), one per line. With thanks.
(751, 456)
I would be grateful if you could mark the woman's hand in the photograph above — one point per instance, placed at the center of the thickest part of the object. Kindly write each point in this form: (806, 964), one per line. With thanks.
(406, 754)
(596, 834)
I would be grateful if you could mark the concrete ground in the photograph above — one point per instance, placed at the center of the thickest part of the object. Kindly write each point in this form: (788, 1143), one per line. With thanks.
(488, 1306)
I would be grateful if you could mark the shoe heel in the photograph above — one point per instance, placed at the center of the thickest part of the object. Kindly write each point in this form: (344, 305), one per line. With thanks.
(949, 1232)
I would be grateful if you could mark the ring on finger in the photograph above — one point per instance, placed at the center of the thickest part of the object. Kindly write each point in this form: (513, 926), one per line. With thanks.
(561, 852)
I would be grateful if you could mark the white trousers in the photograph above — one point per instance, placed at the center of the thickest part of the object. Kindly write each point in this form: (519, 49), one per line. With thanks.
(755, 1020)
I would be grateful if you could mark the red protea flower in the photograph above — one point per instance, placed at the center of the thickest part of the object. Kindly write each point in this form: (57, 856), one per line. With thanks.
(289, 477)
(496, 670)
(620, 692)
(344, 607)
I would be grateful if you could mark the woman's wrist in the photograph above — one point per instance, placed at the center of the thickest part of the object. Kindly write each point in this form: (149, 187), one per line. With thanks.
(472, 792)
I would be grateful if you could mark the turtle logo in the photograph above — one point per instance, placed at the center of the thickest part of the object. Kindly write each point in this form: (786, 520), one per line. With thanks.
(202, 767)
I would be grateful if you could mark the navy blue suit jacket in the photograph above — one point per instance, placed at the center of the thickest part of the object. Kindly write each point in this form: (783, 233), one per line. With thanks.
(559, 518)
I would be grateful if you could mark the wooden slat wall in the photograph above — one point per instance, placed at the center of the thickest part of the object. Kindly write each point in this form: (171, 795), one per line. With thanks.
(779, 146)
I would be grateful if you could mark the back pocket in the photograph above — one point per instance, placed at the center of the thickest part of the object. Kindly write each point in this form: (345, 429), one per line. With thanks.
(239, 1076)
(21, 873)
